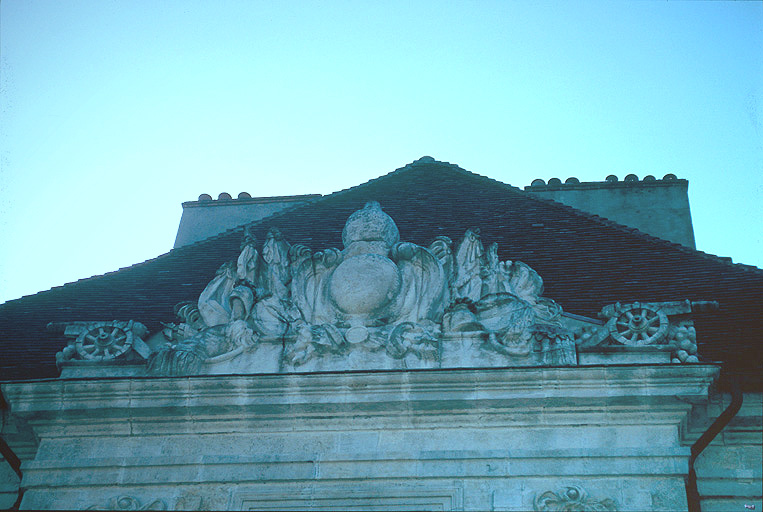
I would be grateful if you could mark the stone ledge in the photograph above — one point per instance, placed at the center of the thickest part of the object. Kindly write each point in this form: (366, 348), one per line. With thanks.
(504, 399)
(515, 455)
(501, 494)
(437, 386)
(132, 472)
(243, 421)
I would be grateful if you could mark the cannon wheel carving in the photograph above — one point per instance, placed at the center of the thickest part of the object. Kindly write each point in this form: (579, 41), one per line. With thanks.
(638, 325)
(106, 341)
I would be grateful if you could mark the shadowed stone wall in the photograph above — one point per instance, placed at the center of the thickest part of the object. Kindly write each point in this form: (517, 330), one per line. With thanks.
(657, 207)
(207, 217)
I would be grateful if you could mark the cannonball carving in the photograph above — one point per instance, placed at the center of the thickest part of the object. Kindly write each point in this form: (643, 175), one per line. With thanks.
(106, 341)
(683, 336)
(639, 325)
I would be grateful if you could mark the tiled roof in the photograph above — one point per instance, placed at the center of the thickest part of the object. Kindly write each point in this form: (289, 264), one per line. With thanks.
(586, 262)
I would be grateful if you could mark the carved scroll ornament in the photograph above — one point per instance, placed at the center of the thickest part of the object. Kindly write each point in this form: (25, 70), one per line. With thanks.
(572, 499)
(130, 503)
(185, 501)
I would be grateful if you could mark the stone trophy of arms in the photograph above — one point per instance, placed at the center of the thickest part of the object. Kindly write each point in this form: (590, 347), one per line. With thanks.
(377, 303)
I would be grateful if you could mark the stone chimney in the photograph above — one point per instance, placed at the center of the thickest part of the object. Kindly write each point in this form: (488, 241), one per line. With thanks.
(657, 207)
(208, 217)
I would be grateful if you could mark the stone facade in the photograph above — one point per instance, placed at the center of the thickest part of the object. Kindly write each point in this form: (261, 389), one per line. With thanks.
(729, 470)
(455, 439)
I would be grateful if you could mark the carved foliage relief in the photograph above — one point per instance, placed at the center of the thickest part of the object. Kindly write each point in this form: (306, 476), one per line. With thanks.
(185, 501)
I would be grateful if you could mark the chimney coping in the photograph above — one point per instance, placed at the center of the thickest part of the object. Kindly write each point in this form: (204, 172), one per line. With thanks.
(631, 180)
(205, 200)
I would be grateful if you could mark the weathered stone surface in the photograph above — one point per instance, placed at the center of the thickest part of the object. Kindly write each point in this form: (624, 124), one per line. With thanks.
(95, 343)
(662, 325)
(376, 304)
(380, 303)
(9, 485)
(470, 439)
(729, 472)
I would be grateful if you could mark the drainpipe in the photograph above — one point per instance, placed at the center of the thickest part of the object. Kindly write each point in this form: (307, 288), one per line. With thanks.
(13, 461)
(692, 493)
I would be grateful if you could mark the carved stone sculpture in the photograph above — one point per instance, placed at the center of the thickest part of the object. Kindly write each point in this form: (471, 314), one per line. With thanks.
(572, 499)
(102, 341)
(130, 503)
(376, 298)
(185, 501)
(383, 303)
(641, 324)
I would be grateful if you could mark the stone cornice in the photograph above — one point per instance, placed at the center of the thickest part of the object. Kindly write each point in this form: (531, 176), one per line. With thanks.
(239, 403)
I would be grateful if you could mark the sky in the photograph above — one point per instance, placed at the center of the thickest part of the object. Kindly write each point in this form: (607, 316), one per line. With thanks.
(114, 112)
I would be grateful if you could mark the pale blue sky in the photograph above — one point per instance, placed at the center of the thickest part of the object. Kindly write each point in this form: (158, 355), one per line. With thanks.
(115, 112)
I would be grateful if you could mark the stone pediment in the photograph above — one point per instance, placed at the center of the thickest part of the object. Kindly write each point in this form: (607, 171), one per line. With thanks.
(379, 303)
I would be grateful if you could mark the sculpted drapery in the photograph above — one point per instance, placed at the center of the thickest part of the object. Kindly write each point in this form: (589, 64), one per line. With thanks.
(377, 293)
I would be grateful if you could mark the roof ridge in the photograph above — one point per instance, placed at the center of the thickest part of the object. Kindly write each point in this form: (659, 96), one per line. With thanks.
(95, 276)
(597, 218)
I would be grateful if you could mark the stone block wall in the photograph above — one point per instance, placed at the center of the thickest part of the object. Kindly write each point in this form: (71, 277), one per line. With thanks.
(657, 207)
(730, 469)
(466, 439)
(9, 485)
(207, 217)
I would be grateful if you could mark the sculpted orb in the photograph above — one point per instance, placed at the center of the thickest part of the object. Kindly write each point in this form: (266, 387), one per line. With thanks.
(364, 284)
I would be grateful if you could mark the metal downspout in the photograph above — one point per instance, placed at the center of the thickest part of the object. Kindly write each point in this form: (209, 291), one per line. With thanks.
(692, 493)
(13, 461)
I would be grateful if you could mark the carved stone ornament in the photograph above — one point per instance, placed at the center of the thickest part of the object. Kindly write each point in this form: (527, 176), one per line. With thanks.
(571, 499)
(102, 341)
(130, 503)
(186, 501)
(640, 324)
(376, 301)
